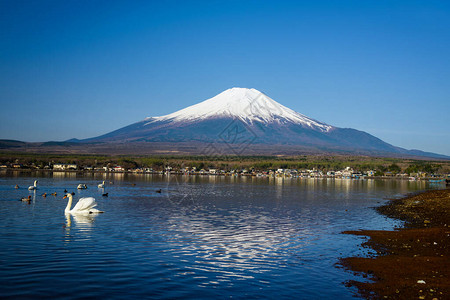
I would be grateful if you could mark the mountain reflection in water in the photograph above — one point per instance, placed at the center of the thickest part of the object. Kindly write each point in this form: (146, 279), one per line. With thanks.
(201, 237)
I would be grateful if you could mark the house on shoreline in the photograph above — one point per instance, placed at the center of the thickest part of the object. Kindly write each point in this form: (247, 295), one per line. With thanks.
(64, 167)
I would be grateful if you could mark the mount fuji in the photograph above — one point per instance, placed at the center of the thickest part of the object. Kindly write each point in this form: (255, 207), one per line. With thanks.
(246, 121)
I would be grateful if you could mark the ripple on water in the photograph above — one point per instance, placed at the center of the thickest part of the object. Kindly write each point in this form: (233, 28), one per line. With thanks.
(199, 238)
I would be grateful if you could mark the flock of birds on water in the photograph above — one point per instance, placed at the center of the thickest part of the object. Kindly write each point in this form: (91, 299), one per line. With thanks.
(84, 205)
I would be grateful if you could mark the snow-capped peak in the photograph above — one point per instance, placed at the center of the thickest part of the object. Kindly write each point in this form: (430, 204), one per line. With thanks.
(248, 105)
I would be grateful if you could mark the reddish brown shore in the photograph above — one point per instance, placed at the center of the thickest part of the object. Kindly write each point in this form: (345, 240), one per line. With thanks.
(412, 262)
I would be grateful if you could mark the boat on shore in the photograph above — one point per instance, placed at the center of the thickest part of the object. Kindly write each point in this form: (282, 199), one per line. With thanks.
(436, 180)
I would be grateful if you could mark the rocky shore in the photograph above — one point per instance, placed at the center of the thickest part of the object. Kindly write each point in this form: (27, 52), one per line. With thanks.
(412, 262)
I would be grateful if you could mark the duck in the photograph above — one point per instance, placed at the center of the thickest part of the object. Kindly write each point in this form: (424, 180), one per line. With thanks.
(17, 186)
(54, 194)
(33, 187)
(159, 191)
(65, 191)
(26, 199)
(82, 186)
(44, 195)
(83, 206)
(105, 195)
(133, 184)
(101, 185)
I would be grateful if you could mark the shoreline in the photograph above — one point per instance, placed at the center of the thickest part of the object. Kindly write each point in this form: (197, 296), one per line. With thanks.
(412, 262)
(439, 180)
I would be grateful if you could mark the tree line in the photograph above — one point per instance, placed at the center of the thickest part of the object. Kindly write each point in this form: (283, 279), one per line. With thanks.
(261, 163)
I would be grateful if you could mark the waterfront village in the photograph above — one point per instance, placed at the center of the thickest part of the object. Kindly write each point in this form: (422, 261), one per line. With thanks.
(347, 172)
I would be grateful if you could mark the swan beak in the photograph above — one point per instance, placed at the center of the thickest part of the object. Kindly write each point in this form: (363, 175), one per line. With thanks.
(65, 196)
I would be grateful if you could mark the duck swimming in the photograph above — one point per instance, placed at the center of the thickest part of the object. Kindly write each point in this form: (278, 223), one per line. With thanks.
(27, 199)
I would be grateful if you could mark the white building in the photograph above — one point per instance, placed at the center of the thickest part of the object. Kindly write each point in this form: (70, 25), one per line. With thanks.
(347, 172)
(63, 167)
(119, 169)
(371, 173)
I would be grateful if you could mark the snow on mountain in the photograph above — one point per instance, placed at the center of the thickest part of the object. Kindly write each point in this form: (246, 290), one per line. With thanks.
(248, 105)
(239, 118)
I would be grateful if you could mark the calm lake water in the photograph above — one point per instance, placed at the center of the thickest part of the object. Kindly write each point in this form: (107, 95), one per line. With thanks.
(202, 237)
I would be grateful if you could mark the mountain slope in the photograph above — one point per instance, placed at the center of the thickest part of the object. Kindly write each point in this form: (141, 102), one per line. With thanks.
(241, 116)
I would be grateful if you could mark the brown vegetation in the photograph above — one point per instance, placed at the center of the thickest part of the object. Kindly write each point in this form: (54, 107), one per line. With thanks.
(413, 262)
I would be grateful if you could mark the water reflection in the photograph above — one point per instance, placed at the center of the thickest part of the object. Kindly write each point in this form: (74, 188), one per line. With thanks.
(241, 237)
(83, 223)
(237, 242)
(62, 174)
(118, 176)
(179, 189)
(81, 220)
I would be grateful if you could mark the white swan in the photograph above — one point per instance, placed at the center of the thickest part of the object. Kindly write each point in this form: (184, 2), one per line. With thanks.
(82, 186)
(33, 187)
(83, 206)
(101, 185)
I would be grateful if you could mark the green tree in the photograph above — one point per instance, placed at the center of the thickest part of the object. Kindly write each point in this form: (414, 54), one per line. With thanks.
(411, 169)
(379, 173)
(381, 168)
(394, 168)
(429, 168)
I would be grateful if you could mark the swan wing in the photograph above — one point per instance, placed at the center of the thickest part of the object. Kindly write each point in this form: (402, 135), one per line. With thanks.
(84, 204)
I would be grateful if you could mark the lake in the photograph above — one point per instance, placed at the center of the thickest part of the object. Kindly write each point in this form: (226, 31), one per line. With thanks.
(202, 237)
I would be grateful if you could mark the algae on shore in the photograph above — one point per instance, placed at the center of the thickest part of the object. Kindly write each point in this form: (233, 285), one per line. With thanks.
(413, 262)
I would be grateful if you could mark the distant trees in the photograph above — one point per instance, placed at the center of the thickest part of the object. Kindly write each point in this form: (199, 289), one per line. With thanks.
(128, 163)
(150, 162)
(394, 168)
(263, 165)
(422, 167)
(379, 173)
(381, 168)
(258, 163)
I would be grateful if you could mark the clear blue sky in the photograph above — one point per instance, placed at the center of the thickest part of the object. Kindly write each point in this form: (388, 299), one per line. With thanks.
(78, 69)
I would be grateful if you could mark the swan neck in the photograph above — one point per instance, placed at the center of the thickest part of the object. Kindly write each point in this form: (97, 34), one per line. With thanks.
(69, 204)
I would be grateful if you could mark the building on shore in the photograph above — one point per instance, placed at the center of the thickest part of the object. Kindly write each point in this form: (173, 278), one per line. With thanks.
(64, 167)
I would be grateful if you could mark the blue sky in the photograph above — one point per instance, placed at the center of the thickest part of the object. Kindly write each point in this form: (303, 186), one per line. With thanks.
(78, 69)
